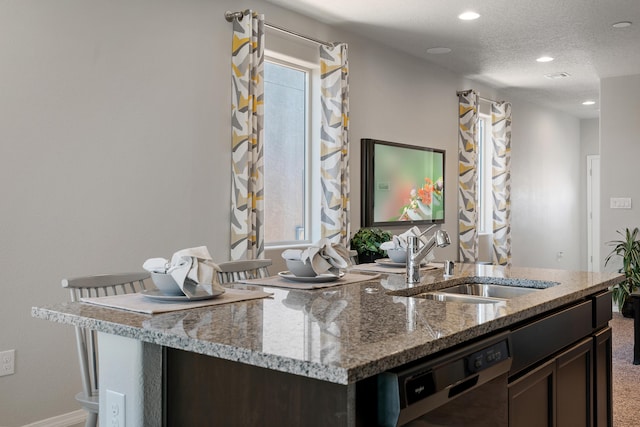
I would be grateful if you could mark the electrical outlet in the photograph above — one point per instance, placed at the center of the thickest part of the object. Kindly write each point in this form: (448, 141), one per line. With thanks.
(115, 409)
(7, 362)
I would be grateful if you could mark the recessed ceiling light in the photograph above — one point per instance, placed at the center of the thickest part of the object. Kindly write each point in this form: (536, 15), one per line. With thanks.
(438, 50)
(555, 76)
(622, 24)
(469, 16)
(545, 59)
(589, 102)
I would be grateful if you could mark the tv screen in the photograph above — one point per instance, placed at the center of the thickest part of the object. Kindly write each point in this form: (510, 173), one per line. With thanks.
(401, 184)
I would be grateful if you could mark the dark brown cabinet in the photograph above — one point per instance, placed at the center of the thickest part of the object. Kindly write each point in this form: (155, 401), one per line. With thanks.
(531, 398)
(574, 385)
(573, 388)
(557, 393)
(568, 386)
(603, 415)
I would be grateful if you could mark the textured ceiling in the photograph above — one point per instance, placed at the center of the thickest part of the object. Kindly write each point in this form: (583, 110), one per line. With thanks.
(499, 49)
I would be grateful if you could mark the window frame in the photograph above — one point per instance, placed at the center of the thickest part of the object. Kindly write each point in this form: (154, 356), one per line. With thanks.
(485, 181)
(311, 151)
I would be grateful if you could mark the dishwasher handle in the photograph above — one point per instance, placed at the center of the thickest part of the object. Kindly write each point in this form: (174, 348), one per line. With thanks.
(465, 385)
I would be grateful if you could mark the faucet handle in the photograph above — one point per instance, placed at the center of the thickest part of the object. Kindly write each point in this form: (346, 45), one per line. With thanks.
(429, 228)
(412, 244)
(413, 267)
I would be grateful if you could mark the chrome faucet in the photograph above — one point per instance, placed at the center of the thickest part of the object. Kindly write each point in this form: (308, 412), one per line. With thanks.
(415, 254)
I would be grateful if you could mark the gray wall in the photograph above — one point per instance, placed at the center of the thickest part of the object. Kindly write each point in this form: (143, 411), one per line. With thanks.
(619, 154)
(545, 177)
(114, 125)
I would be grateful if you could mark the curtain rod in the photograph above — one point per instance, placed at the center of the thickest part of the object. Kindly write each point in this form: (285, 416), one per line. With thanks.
(230, 16)
(481, 98)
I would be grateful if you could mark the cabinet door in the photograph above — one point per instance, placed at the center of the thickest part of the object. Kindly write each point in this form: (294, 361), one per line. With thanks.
(603, 416)
(574, 380)
(531, 398)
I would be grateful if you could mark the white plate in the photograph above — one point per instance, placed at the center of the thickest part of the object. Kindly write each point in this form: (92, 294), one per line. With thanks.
(389, 263)
(321, 278)
(155, 294)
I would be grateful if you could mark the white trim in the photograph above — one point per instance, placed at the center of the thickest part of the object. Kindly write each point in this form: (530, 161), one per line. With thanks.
(65, 420)
(289, 60)
(593, 213)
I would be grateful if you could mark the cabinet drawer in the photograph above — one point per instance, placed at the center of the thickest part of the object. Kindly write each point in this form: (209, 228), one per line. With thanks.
(601, 309)
(542, 338)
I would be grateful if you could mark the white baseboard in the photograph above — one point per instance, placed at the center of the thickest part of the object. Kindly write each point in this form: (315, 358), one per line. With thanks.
(65, 420)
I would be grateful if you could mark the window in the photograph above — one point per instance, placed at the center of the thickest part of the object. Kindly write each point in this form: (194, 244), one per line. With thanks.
(485, 190)
(288, 152)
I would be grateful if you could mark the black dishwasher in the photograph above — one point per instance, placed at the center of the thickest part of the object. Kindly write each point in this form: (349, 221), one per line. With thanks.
(467, 386)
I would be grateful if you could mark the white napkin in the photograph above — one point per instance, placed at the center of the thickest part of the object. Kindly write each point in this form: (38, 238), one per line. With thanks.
(324, 256)
(401, 241)
(189, 268)
(293, 254)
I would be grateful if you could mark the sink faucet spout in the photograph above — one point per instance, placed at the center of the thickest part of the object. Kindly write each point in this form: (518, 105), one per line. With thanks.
(415, 254)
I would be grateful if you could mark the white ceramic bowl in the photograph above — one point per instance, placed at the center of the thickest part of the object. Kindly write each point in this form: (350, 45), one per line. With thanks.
(166, 284)
(397, 255)
(300, 269)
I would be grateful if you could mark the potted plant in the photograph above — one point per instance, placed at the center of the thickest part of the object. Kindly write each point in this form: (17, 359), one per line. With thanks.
(367, 243)
(629, 250)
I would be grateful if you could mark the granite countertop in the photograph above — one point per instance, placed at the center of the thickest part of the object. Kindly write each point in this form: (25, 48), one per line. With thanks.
(340, 334)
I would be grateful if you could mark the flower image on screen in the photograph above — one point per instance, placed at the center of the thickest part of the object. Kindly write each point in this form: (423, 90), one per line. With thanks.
(405, 183)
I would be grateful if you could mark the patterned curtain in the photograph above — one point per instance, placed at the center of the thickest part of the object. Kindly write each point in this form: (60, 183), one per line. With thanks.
(247, 96)
(334, 81)
(501, 180)
(467, 179)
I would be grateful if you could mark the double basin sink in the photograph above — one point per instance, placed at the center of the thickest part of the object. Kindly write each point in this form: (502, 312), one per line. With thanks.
(484, 290)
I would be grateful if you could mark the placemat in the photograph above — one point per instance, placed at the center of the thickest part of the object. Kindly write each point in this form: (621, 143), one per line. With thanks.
(379, 268)
(141, 304)
(281, 282)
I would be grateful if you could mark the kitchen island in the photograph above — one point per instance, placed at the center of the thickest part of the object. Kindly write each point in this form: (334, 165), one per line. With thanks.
(310, 357)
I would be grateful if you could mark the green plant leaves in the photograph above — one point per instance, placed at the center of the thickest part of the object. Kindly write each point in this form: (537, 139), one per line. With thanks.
(629, 249)
(368, 240)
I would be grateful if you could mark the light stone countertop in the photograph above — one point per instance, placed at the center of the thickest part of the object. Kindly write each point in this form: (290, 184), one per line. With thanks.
(340, 334)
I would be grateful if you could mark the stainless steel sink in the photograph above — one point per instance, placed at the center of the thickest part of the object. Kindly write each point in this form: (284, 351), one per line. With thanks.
(472, 299)
(477, 290)
(489, 290)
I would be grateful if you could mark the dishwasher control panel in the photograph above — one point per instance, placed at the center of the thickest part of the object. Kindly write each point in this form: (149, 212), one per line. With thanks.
(488, 357)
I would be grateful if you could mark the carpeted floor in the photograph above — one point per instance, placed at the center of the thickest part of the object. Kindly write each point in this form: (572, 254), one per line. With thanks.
(626, 375)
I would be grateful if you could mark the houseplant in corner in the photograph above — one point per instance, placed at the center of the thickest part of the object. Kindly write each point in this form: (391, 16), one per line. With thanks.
(629, 250)
(367, 243)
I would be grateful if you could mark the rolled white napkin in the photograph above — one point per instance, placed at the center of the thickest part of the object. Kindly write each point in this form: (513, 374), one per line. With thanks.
(189, 268)
(293, 254)
(324, 256)
(401, 241)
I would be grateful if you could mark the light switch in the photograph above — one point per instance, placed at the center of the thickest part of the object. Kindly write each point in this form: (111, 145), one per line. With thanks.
(620, 203)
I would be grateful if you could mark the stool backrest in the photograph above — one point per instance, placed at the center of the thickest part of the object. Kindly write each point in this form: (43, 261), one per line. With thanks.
(233, 271)
(86, 339)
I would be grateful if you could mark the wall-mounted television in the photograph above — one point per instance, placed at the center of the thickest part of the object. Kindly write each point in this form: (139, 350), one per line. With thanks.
(401, 184)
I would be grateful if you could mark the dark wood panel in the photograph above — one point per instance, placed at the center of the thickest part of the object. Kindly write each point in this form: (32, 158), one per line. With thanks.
(544, 337)
(602, 309)
(207, 391)
(531, 398)
(574, 398)
(603, 416)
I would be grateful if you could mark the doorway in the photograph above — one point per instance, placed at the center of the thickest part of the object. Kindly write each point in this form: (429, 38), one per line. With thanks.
(593, 213)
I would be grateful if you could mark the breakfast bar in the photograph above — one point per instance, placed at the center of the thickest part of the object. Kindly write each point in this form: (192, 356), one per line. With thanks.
(318, 356)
